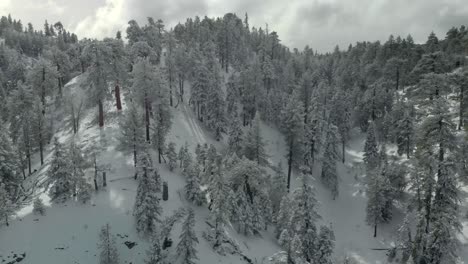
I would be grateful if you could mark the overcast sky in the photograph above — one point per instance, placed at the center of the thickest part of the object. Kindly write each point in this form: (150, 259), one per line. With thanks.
(321, 24)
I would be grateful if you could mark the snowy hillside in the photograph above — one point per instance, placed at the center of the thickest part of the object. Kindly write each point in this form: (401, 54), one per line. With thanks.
(68, 232)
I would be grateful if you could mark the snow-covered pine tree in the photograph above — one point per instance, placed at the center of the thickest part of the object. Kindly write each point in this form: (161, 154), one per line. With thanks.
(147, 210)
(218, 205)
(235, 138)
(108, 247)
(97, 81)
(329, 175)
(254, 145)
(292, 118)
(42, 77)
(132, 136)
(282, 218)
(171, 155)
(147, 81)
(370, 150)
(162, 120)
(6, 205)
(341, 118)
(247, 181)
(38, 207)
(303, 217)
(40, 128)
(325, 246)
(441, 143)
(376, 199)
(61, 173)
(193, 191)
(186, 250)
(118, 72)
(182, 154)
(154, 254)
(21, 123)
(10, 164)
(405, 133)
(277, 190)
(187, 161)
(81, 187)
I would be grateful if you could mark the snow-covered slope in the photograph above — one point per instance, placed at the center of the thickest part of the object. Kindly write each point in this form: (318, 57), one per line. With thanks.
(68, 233)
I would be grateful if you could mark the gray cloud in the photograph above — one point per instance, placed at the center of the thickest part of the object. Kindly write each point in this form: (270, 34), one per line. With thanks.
(321, 24)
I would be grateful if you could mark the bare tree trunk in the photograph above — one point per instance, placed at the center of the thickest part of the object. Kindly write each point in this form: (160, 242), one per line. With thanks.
(343, 149)
(397, 78)
(135, 153)
(95, 174)
(101, 113)
(290, 165)
(41, 148)
(28, 155)
(117, 97)
(171, 103)
(460, 122)
(159, 154)
(375, 230)
(147, 120)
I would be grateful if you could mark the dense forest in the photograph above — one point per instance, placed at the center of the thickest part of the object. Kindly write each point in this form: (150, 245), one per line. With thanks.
(233, 77)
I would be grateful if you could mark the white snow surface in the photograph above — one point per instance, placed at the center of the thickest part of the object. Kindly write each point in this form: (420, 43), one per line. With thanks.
(68, 233)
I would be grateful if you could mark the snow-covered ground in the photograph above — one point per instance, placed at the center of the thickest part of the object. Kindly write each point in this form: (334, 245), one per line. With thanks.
(68, 233)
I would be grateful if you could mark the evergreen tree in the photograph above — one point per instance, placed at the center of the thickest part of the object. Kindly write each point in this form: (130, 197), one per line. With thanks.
(97, 82)
(10, 164)
(6, 205)
(235, 138)
(329, 173)
(193, 191)
(147, 210)
(42, 78)
(405, 134)
(247, 181)
(81, 187)
(325, 245)
(188, 239)
(292, 121)
(171, 155)
(132, 136)
(254, 145)
(147, 85)
(182, 154)
(38, 207)
(277, 189)
(377, 200)
(61, 173)
(108, 247)
(154, 254)
(370, 150)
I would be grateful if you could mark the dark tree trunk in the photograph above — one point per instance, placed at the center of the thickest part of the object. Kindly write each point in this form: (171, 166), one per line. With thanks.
(117, 97)
(28, 155)
(104, 179)
(41, 148)
(181, 88)
(407, 147)
(375, 230)
(170, 89)
(460, 122)
(43, 91)
(397, 78)
(343, 143)
(147, 120)
(290, 165)
(159, 154)
(101, 113)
